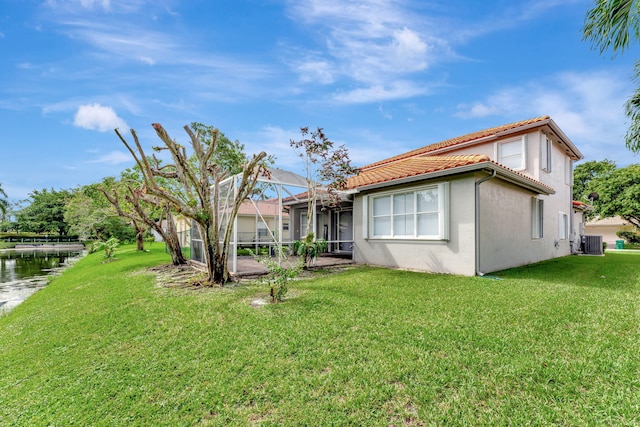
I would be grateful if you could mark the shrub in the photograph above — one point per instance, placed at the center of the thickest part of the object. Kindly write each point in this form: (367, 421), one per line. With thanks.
(109, 247)
(629, 236)
(280, 273)
(309, 249)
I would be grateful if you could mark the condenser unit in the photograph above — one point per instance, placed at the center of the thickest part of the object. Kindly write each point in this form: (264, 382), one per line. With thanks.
(592, 245)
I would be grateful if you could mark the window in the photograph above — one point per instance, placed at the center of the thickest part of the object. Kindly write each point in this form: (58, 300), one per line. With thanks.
(512, 153)
(545, 154)
(563, 226)
(416, 214)
(537, 218)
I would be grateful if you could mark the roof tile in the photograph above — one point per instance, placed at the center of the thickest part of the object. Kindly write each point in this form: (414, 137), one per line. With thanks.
(457, 140)
(413, 166)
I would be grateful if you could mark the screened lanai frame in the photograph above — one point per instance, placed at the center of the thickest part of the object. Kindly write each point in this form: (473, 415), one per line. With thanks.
(271, 186)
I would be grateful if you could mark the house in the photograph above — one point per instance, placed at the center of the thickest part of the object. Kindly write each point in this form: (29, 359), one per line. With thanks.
(607, 228)
(258, 222)
(335, 224)
(474, 204)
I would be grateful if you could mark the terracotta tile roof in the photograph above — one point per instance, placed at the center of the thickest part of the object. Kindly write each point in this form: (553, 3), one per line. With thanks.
(266, 207)
(580, 205)
(459, 140)
(413, 166)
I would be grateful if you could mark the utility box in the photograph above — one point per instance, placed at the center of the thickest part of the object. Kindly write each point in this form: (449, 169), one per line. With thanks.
(619, 244)
(592, 245)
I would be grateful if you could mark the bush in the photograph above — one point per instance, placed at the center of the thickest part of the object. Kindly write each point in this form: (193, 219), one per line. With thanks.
(309, 249)
(109, 248)
(280, 273)
(629, 236)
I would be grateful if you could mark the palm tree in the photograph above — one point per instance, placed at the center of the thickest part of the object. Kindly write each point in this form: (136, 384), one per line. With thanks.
(4, 203)
(613, 24)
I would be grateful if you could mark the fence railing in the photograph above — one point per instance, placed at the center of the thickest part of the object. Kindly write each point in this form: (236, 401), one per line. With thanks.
(40, 239)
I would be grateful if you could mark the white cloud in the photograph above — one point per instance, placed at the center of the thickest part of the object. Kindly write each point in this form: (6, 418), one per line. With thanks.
(588, 106)
(378, 44)
(97, 117)
(314, 71)
(147, 60)
(275, 140)
(394, 90)
(88, 4)
(114, 158)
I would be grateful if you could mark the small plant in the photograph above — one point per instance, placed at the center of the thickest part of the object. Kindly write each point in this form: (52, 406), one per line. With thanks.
(629, 236)
(280, 273)
(109, 248)
(309, 249)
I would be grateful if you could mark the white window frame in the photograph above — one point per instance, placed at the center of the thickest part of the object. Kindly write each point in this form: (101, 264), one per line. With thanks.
(523, 152)
(546, 148)
(442, 212)
(563, 226)
(537, 218)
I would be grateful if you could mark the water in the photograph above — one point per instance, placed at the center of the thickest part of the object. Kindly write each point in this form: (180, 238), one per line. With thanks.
(24, 271)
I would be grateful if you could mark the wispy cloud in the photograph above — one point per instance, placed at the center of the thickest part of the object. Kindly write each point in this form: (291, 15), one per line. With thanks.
(588, 106)
(277, 139)
(375, 45)
(113, 158)
(98, 117)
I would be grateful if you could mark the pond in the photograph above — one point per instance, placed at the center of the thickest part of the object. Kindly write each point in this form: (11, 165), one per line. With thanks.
(24, 271)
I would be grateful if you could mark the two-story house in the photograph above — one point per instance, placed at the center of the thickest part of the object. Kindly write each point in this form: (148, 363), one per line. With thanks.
(474, 204)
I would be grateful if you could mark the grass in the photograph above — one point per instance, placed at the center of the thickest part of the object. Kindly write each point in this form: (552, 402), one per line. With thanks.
(550, 344)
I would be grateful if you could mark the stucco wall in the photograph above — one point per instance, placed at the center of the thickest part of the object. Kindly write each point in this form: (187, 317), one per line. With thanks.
(454, 256)
(505, 231)
(608, 232)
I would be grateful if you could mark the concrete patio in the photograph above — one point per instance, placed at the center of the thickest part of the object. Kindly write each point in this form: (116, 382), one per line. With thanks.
(249, 267)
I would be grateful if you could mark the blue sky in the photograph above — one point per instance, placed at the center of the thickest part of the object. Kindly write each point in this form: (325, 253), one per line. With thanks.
(380, 76)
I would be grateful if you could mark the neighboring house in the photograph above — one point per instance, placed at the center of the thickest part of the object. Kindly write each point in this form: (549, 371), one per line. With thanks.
(474, 204)
(607, 228)
(183, 228)
(258, 222)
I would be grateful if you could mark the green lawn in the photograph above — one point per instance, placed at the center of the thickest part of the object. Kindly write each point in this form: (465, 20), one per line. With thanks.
(556, 343)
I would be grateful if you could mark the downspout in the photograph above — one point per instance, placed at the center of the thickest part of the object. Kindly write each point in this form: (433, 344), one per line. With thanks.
(477, 219)
(572, 231)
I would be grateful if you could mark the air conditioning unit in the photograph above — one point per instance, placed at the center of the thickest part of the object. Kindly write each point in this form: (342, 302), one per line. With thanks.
(592, 245)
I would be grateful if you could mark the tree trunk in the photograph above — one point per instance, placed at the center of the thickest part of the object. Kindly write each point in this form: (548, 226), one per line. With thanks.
(220, 271)
(172, 240)
(140, 240)
(216, 267)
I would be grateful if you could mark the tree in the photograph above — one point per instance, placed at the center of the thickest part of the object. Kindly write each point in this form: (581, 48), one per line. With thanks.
(619, 193)
(585, 174)
(4, 204)
(144, 210)
(327, 170)
(613, 24)
(91, 216)
(45, 213)
(88, 214)
(199, 177)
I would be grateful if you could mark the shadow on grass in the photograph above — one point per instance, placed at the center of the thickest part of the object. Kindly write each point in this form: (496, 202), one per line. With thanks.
(615, 271)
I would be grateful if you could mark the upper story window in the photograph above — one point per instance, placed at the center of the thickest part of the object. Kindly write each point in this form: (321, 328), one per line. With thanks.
(545, 154)
(512, 153)
(416, 214)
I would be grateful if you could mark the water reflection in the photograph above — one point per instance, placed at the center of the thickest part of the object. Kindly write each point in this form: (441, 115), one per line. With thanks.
(24, 271)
